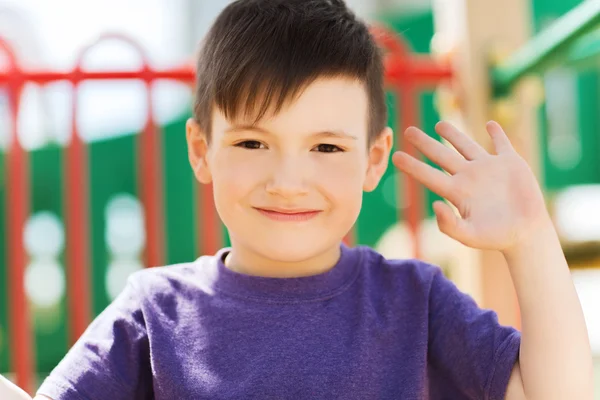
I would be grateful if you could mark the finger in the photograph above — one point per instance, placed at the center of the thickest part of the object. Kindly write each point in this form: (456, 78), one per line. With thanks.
(451, 224)
(499, 138)
(434, 179)
(466, 146)
(442, 155)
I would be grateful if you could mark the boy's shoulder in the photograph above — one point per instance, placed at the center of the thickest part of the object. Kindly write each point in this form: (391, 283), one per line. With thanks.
(178, 278)
(409, 268)
(401, 278)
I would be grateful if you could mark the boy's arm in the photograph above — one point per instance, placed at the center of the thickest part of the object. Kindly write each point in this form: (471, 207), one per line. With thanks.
(555, 356)
(10, 391)
(501, 207)
(514, 391)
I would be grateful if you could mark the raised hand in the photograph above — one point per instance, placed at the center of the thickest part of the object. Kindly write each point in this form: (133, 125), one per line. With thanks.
(497, 195)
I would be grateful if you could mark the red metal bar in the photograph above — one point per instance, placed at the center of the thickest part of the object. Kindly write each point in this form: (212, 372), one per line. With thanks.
(409, 116)
(209, 225)
(405, 73)
(424, 72)
(17, 211)
(75, 172)
(350, 238)
(151, 184)
(185, 74)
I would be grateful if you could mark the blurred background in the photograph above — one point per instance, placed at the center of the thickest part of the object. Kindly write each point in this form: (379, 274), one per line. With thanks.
(111, 115)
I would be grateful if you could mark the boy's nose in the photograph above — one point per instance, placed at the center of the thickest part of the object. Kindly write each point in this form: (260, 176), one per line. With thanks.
(288, 180)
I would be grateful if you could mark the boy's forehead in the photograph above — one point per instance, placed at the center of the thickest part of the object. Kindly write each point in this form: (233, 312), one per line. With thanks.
(327, 104)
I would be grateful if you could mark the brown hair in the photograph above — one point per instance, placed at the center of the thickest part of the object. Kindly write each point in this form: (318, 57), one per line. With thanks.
(260, 54)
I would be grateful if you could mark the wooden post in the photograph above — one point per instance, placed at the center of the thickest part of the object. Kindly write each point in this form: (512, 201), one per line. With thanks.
(470, 34)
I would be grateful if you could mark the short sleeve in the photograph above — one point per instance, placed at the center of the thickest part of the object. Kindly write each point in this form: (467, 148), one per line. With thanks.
(470, 353)
(110, 360)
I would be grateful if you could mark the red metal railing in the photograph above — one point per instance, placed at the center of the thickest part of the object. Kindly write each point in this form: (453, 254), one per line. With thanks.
(17, 204)
(406, 75)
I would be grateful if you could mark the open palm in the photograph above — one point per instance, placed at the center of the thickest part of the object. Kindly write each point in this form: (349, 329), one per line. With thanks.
(496, 195)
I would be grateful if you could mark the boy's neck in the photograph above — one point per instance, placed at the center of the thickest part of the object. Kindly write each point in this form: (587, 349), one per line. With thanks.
(245, 261)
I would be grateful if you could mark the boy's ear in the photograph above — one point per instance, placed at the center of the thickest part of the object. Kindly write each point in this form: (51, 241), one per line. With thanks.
(198, 151)
(379, 155)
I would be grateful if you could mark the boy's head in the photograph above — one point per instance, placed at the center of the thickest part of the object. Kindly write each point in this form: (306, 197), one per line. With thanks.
(289, 116)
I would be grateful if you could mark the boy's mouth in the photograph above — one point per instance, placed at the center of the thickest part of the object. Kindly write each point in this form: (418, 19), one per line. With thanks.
(283, 214)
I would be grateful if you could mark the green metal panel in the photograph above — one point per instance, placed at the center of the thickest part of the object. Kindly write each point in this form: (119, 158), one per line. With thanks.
(583, 134)
(46, 195)
(112, 171)
(180, 196)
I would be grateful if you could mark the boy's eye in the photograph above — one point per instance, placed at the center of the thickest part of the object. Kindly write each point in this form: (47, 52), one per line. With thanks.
(250, 144)
(328, 148)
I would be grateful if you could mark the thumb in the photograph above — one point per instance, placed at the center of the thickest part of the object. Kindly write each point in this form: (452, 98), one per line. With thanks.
(450, 223)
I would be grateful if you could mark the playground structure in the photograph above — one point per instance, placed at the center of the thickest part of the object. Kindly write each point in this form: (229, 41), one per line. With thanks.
(473, 81)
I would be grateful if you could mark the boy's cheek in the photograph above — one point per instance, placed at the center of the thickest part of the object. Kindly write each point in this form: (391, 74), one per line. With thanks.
(229, 167)
(345, 177)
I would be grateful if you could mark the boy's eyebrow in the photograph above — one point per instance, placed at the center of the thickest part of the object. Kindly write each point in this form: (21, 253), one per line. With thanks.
(246, 127)
(336, 134)
(255, 128)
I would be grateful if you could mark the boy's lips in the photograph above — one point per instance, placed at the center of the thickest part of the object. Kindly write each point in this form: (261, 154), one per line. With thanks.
(285, 214)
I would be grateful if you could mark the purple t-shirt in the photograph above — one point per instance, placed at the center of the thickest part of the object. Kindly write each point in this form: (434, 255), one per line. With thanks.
(369, 328)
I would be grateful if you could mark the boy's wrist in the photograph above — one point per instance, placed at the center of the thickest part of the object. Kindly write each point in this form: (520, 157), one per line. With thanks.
(540, 238)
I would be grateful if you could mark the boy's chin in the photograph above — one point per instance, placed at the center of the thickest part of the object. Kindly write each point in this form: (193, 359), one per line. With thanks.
(298, 252)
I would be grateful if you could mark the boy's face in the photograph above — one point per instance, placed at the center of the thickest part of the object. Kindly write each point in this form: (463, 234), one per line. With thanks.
(289, 188)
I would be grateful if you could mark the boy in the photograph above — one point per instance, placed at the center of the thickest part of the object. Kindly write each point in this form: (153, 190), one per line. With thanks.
(289, 128)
